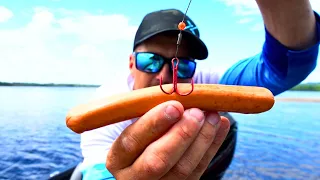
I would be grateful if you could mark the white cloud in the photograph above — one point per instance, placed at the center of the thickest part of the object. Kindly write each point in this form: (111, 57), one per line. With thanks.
(87, 51)
(248, 10)
(245, 20)
(315, 4)
(243, 7)
(5, 14)
(314, 76)
(257, 27)
(66, 47)
(250, 7)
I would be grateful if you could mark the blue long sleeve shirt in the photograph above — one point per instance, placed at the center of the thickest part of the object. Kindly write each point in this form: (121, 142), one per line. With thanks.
(276, 68)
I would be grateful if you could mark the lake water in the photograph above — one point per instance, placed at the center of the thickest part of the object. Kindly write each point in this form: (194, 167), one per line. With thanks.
(280, 144)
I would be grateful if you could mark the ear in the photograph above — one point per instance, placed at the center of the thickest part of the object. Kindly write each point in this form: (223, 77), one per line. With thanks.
(131, 62)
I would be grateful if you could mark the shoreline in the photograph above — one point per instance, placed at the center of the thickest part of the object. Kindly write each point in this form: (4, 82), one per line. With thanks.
(291, 99)
(4, 84)
(310, 87)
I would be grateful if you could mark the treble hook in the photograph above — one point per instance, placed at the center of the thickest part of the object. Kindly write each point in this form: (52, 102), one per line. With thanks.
(175, 80)
(181, 27)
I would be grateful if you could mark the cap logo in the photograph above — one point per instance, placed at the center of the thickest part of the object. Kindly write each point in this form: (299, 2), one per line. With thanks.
(191, 27)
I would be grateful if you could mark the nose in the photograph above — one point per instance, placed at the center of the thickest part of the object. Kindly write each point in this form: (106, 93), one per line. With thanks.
(165, 74)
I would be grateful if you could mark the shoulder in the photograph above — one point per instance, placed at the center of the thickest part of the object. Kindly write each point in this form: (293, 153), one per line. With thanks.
(206, 76)
(120, 85)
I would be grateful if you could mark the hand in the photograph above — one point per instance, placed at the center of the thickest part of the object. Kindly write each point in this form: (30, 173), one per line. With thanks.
(167, 143)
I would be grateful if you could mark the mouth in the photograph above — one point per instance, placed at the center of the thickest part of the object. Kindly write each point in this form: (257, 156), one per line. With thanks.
(157, 83)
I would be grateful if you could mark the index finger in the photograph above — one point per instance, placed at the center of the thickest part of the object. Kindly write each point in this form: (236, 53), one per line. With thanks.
(136, 137)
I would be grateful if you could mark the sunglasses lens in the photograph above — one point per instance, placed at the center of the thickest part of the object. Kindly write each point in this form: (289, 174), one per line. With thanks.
(152, 63)
(149, 62)
(186, 68)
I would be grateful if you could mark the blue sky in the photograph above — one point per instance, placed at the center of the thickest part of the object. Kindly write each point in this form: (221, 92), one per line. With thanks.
(65, 41)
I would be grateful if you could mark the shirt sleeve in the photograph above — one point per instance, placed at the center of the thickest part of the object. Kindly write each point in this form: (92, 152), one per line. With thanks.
(95, 144)
(276, 68)
(97, 172)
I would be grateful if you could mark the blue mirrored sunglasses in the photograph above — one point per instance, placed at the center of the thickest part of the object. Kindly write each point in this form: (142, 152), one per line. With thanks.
(153, 63)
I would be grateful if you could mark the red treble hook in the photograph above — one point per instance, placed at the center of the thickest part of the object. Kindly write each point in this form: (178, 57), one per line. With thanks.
(175, 80)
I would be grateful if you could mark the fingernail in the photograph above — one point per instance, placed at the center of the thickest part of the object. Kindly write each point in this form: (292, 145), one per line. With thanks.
(213, 118)
(196, 113)
(172, 112)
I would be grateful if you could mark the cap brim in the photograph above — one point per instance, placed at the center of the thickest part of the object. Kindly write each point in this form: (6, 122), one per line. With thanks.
(198, 49)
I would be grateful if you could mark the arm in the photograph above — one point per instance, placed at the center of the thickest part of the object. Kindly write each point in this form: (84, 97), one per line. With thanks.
(289, 53)
(291, 22)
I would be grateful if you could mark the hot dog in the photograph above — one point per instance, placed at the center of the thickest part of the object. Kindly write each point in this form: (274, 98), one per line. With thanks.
(208, 97)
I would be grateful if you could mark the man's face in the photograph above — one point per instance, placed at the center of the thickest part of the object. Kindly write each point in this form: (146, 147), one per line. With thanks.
(164, 45)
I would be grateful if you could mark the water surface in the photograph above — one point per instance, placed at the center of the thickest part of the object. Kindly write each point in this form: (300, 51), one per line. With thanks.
(280, 144)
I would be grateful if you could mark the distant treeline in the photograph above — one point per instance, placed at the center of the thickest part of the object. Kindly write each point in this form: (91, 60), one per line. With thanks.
(46, 84)
(307, 87)
(300, 87)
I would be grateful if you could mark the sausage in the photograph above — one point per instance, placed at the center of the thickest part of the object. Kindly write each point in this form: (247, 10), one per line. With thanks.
(207, 97)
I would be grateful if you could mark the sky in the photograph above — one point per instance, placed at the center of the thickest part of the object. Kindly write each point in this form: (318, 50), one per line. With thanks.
(89, 42)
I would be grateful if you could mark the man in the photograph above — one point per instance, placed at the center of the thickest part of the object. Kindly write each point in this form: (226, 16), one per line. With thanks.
(144, 149)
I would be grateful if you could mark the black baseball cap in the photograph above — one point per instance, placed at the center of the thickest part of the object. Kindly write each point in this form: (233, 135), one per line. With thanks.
(167, 20)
